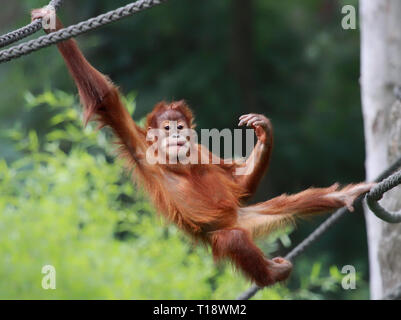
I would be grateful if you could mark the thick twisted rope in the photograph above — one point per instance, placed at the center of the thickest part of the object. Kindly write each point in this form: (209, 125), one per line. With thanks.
(329, 222)
(77, 29)
(26, 31)
(376, 194)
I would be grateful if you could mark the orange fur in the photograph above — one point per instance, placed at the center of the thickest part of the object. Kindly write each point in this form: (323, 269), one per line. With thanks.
(204, 200)
(163, 106)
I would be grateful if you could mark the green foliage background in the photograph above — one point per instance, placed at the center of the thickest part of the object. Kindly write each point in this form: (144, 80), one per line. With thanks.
(65, 200)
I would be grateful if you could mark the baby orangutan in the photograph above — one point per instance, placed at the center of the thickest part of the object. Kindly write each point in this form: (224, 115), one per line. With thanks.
(205, 200)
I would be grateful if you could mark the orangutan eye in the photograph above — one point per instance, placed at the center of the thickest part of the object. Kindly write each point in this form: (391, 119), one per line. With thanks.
(167, 128)
(180, 127)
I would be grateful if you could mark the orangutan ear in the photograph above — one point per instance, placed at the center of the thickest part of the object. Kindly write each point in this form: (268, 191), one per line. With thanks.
(150, 137)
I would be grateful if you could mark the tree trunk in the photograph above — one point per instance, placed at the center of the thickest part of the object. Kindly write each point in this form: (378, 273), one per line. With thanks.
(380, 73)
